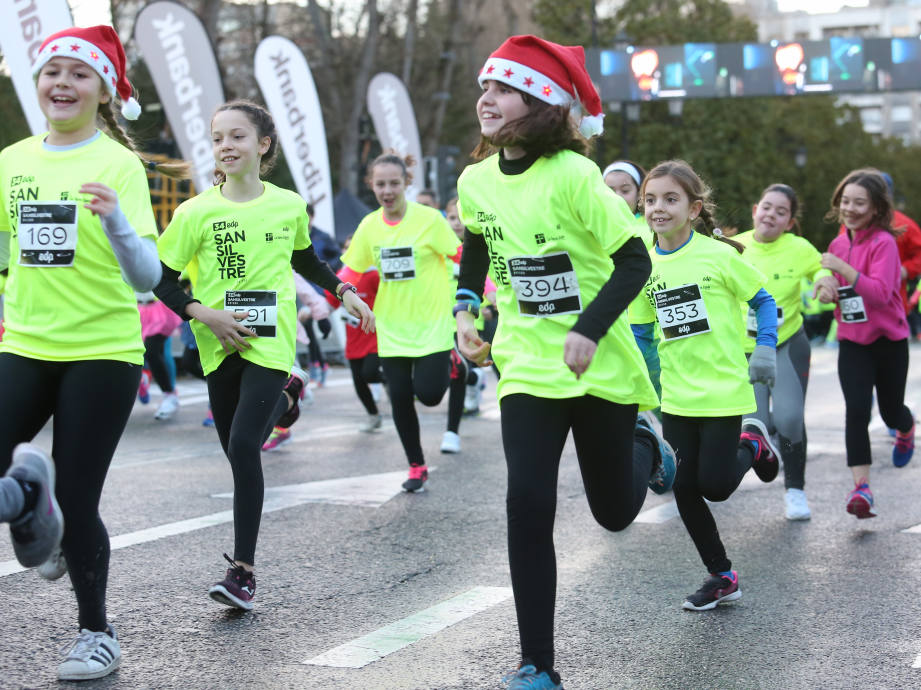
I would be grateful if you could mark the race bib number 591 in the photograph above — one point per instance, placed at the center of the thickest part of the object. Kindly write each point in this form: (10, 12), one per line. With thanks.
(47, 233)
(260, 307)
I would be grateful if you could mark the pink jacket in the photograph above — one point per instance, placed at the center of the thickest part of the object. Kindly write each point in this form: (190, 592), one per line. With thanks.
(875, 256)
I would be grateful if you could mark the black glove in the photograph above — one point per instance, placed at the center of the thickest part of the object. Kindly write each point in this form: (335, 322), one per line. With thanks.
(325, 327)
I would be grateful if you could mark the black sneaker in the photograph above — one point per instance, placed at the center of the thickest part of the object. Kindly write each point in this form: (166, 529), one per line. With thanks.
(715, 590)
(417, 476)
(237, 589)
(767, 460)
(296, 387)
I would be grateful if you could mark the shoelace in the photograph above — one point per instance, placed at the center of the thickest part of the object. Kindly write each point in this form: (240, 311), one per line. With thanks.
(905, 443)
(82, 647)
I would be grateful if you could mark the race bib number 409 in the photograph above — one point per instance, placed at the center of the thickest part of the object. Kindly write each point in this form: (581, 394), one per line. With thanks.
(260, 307)
(47, 233)
(681, 312)
(545, 285)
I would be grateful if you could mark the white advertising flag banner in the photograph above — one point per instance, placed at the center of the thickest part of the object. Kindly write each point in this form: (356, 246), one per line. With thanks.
(291, 96)
(25, 25)
(395, 123)
(181, 62)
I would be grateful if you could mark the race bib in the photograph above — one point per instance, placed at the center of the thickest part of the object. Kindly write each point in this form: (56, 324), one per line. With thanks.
(752, 329)
(851, 305)
(260, 307)
(681, 312)
(47, 233)
(545, 285)
(397, 263)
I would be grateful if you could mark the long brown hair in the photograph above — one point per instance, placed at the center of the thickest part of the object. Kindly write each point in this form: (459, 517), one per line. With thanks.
(697, 190)
(873, 181)
(261, 119)
(177, 169)
(545, 130)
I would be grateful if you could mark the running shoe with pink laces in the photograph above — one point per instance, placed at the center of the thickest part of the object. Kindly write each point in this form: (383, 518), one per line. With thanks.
(237, 589)
(278, 437)
(144, 387)
(295, 387)
(417, 476)
(860, 502)
(766, 462)
(904, 447)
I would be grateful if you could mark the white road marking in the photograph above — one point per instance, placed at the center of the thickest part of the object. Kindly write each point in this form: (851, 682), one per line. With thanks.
(659, 514)
(394, 637)
(370, 490)
(917, 662)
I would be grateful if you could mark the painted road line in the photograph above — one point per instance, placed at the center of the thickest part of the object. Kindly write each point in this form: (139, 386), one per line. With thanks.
(912, 530)
(917, 662)
(659, 514)
(370, 490)
(394, 637)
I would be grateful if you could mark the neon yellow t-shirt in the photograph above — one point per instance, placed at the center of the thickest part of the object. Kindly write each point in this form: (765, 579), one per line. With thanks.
(413, 303)
(698, 288)
(550, 232)
(785, 262)
(65, 297)
(241, 255)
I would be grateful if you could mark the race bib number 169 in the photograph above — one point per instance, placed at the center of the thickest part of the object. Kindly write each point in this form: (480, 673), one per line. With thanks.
(47, 233)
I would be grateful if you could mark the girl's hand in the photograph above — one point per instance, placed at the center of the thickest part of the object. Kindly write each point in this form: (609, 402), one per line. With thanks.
(225, 325)
(834, 263)
(826, 289)
(104, 201)
(469, 342)
(356, 306)
(578, 352)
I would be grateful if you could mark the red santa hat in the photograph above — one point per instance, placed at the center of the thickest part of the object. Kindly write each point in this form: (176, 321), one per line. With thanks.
(548, 71)
(100, 48)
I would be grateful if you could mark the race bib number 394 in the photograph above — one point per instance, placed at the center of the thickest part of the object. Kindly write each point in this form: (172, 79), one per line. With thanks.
(47, 233)
(545, 285)
(681, 312)
(260, 307)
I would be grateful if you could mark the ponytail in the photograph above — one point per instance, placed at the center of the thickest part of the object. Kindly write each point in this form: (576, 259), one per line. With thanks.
(176, 169)
(707, 226)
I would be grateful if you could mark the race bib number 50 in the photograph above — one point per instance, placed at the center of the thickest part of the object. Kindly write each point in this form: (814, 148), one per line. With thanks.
(851, 304)
(47, 233)
(260, 307)
(681, 312)
(545, 285)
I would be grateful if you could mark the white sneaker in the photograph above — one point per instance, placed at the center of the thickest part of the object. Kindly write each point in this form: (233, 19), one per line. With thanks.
(55, 567)
(92, 655)
(797, 506)
(168, 407)
(474, 392)
(450, 443)
(372, 423)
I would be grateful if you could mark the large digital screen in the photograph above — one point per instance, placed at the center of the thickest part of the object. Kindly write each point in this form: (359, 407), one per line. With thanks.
(721, 70)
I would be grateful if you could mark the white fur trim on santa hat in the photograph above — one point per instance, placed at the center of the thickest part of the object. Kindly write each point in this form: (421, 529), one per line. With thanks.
(131, 109)
(79, 49)
(524, 79)
(591, 125)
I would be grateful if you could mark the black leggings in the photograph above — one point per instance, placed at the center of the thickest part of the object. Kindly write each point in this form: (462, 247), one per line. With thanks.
(882, 364)
(246, 400)
(90, 401)
(424, 377)
(711, 464)
(156, 361)
(366, 370)
(615, 462)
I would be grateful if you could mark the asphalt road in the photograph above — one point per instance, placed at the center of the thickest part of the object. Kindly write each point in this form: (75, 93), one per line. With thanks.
(362, 586)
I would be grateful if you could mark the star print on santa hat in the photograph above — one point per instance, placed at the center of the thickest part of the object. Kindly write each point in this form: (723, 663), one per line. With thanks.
(100, 48)
(550, 72)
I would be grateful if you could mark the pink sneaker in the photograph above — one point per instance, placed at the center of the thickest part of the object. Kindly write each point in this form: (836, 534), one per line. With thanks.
(417, 476)
(278, 437)
(860, 502)
(144, 387)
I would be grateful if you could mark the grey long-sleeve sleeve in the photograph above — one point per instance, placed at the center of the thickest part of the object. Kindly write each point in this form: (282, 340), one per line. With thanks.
(137, 256)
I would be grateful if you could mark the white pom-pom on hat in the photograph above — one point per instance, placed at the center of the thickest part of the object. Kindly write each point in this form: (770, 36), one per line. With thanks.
(131, 109)
(591, 125)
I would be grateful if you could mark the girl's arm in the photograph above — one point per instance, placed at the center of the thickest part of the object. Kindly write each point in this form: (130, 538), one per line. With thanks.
(308, 264)
(473, 266)
(879, 281)
(137, 256)
(170, 292)
(762, 365)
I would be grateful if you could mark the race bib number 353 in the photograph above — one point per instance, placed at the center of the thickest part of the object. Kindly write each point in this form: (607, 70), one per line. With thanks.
(47, 233)
(545, 285)
(681, 312)
(260, 307)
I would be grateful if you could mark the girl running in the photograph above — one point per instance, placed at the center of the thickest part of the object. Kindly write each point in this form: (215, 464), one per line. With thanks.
(409, 244)
(243, 236)
(872, 328)
(82, 239)
(693, 297)
(785, 259)
(539, 216)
